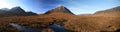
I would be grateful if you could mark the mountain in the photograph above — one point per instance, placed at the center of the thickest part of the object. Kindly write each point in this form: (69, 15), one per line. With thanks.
(85, 15)
(15, 11)
(59, 9)
(109, 12)
(30, 13)
(5, 9)
(2, 11)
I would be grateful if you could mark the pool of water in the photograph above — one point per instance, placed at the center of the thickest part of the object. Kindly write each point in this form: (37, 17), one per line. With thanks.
(55, 27)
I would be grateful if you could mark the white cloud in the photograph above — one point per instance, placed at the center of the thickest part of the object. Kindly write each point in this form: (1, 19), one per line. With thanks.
(5, 4)
(9, 3)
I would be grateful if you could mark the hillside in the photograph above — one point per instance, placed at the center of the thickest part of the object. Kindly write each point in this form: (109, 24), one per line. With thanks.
(16, 11)
(109, 12)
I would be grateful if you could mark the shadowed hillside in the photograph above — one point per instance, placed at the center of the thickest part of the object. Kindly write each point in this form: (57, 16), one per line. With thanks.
(16, 11)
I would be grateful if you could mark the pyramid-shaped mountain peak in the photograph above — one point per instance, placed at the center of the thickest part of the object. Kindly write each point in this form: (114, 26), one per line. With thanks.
(17, 9)
(59, 8)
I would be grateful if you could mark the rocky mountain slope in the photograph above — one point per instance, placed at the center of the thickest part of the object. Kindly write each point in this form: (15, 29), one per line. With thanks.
(59, 9)
(16, 11)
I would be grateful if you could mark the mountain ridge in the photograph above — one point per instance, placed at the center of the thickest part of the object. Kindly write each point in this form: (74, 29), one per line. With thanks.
(15, 11)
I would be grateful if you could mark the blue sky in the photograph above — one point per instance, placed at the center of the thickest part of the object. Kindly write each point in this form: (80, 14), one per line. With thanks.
(76, 6)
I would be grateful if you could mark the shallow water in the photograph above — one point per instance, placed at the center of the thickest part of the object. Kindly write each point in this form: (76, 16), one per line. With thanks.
(54, 27)
(58, 28)
(24, 29)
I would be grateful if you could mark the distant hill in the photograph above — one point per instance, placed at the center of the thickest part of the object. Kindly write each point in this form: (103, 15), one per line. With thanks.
(16, 11)
(109, 12)
(59, 9)
(84, 15)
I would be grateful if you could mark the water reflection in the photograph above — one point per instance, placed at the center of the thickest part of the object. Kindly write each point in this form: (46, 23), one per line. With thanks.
(24, 29)
(55, 27)
(58, 28)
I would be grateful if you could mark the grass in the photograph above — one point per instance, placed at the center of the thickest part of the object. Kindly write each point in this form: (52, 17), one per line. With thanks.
(72, 22)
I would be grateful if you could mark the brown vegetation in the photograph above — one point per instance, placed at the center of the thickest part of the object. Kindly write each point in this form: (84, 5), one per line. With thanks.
(73, 23)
